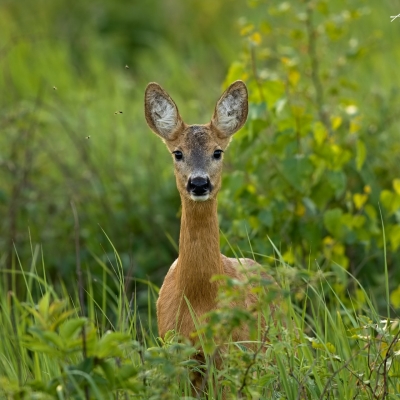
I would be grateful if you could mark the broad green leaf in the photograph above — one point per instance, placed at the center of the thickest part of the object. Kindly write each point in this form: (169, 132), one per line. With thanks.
(337, 180)
(126, 372)
(333, 222)
(85, 365)
(387, 198)
(358, 221)
(266, 217)
(39, 347)
(69, 328)
(390, 200)
(109, 370)
(234, 182)
(273, 91)
(396, 185)
(236, 71)
(370, 211)
(109, 344)
(322, 193)
(48, 338)
(297, 171)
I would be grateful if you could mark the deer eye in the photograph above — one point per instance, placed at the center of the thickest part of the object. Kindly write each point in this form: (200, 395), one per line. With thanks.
(217, 154)
(178, 155)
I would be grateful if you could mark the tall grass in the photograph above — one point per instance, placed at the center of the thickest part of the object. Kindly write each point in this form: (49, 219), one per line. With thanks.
(317, 346)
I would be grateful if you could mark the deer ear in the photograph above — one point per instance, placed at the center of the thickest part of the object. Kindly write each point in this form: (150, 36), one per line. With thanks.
(231, 110)
(161, 112)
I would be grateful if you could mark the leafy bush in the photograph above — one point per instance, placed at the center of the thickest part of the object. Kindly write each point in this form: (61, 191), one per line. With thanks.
(316, 168)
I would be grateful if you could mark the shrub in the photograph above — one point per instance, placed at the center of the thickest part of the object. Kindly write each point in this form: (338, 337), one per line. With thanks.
(316, 168)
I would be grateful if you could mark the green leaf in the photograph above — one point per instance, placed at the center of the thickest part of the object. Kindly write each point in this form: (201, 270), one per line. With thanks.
(337, 181)
(359, 200)
(109, 344)
(266, 217)
(272, 92)
(321, 194)
(41, 347)
(320, 132)
(236, 71)
(126, 372)
(333, 222)
(396, 185)
(395, 297)
(297, 171)
(109, 370)
(86, 365)
(43, 305)
(393, 235)
(234, 182)
(361, 154)
(47, 337)
(390, 200)
(69, 328)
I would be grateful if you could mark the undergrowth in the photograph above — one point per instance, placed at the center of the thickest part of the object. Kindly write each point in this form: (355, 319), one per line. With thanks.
(317, 345)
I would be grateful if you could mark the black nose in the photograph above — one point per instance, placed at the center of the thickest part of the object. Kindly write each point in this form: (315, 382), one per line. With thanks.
(199, 186)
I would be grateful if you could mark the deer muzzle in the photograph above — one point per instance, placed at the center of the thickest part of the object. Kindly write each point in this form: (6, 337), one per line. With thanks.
(199, 188)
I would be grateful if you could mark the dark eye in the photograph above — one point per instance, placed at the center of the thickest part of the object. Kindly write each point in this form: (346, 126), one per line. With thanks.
(178, 155)
(217, 154)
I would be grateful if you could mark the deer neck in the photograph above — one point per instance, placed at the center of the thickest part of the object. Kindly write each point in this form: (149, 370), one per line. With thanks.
(199, 253)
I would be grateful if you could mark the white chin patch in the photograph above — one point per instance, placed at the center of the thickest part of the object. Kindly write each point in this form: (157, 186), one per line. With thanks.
(200, 198)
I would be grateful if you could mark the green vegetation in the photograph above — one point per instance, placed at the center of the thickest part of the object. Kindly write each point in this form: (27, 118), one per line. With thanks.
(311, 190)
(317, 347)
(319, 155)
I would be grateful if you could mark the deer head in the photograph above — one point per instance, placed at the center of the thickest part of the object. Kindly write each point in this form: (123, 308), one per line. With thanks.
(197, 149)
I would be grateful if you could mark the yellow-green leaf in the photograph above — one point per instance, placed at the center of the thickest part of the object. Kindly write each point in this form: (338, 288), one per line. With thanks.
(294, 77)
(396, 185)
(256, 38)
(336, 122)
(247, 29)
(395, 297)
(355, 125)
(330, 347)
(320, 132)
(361, 153)
(359, 200)
(236, 71)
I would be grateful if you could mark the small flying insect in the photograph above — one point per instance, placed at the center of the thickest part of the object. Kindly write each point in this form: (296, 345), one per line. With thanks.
(88, 137)
(54, 88)
(118, 112)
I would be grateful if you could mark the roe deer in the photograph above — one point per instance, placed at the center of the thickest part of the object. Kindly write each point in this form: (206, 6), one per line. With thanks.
(198, 153)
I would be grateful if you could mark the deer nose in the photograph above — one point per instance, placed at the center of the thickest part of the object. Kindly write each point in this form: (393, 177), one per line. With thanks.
(199, 186)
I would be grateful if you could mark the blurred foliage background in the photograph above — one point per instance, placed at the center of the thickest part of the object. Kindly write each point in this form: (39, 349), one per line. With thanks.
(315, 167)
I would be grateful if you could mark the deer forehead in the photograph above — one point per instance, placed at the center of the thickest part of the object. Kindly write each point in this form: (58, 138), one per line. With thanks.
(198, 140)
